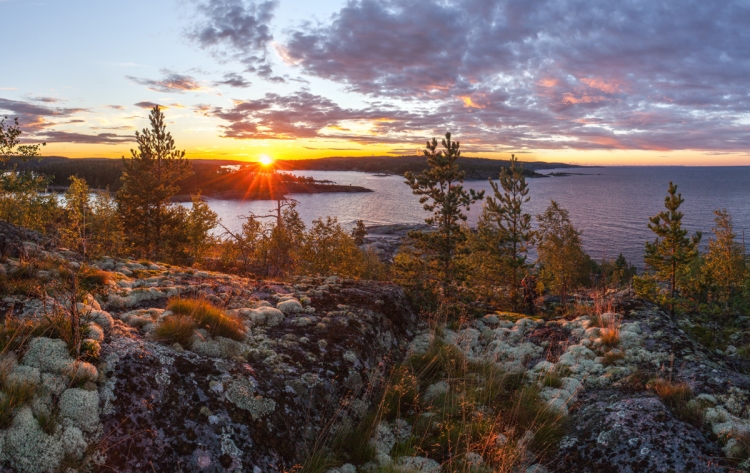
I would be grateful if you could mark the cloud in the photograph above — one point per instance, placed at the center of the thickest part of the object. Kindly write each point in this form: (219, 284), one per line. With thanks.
(150, 105)
(233, 79)
(172, 82)
(45, 99)
(50, 136)
(555, 74)
(116, 107)
(236, 30)
(35, 116)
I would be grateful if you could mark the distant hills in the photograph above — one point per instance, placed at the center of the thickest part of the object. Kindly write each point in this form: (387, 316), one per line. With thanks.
(213, 176)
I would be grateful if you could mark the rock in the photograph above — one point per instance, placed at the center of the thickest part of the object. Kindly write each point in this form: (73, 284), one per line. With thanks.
(615, 432)
(290, 306)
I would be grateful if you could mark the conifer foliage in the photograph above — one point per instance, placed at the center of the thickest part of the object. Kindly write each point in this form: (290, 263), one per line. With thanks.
(149, 180)
(672, 249)
(504, 230)
(442, 194)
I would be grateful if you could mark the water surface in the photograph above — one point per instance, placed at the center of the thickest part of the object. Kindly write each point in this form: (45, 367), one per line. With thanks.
(611, 205)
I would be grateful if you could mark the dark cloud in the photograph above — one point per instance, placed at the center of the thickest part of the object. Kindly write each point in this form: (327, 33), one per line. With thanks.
(623, 74)
(172, 82)
(150, 105)
(35, 116)
(66, 137)
(46, 99)
(116, 107)
(233, 79)
(237, 30)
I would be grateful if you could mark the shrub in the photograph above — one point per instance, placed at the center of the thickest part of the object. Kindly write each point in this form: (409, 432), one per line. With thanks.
(209, 317)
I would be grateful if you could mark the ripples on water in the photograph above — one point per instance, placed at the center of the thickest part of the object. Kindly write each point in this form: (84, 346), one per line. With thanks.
(611, 205)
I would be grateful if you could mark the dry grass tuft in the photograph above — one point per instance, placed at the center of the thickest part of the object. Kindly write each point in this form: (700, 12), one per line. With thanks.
(177, 329)
(612, 357)
(207, 316)
(610, 336)
(671, 393)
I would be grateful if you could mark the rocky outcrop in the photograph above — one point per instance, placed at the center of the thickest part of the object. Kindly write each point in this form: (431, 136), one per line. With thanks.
(615, 422)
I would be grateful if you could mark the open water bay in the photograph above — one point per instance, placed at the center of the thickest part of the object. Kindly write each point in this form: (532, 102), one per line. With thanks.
(610, 204)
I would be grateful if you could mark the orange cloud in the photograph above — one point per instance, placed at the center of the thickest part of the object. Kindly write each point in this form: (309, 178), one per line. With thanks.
(548, 82)
(609, 86)
(468, 102)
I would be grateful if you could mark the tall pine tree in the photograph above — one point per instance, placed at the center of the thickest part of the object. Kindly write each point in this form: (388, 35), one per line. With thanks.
(442, 194)
(671, 250)
(504, 229)
(149, 181)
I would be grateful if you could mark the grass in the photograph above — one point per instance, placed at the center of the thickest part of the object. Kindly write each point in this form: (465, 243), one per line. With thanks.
(207, 316)
(612, 357)
(176, 329)
(610, 336)
(482, 402)
(92, 279)
(677, 396)
(16, 394)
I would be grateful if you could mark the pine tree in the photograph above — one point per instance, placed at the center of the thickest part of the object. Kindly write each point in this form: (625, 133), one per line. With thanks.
(563, 263)
(671, 250)
(504, 230)
(442, 194)
(149, 180)
(359, 232)
(725, 261)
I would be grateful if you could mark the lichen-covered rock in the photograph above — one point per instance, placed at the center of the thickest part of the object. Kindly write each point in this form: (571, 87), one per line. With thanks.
(417, 465)
(632, 434)
(242, 413)
(290, 306)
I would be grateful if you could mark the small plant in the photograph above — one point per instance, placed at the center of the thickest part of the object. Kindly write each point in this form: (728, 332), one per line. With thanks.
(612, 357)
(552, 379)
(671, 393)
(209, 317)
(92, 279)
(176, 329)
(16, 394)
(610, 336)
(90, 350)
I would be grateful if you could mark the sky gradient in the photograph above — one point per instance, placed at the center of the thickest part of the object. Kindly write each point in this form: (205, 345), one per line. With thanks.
(606, 82)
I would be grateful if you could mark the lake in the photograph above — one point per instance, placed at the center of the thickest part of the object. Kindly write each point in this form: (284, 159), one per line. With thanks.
(610, 204)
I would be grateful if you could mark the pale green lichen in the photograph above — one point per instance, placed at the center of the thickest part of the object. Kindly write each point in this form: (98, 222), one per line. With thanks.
(48, 355)
(241, 394)
(28, 449)
(81, 407)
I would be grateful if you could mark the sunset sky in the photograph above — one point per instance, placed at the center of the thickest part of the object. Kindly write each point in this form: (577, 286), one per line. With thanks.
(591, 82)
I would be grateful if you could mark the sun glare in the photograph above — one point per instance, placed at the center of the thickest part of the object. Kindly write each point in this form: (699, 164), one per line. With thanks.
(265, 159)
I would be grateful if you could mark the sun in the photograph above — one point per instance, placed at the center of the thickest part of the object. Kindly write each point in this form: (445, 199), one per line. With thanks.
(265, 159)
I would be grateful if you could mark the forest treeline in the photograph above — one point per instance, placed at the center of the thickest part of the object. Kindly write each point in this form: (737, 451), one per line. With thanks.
(453, 271)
